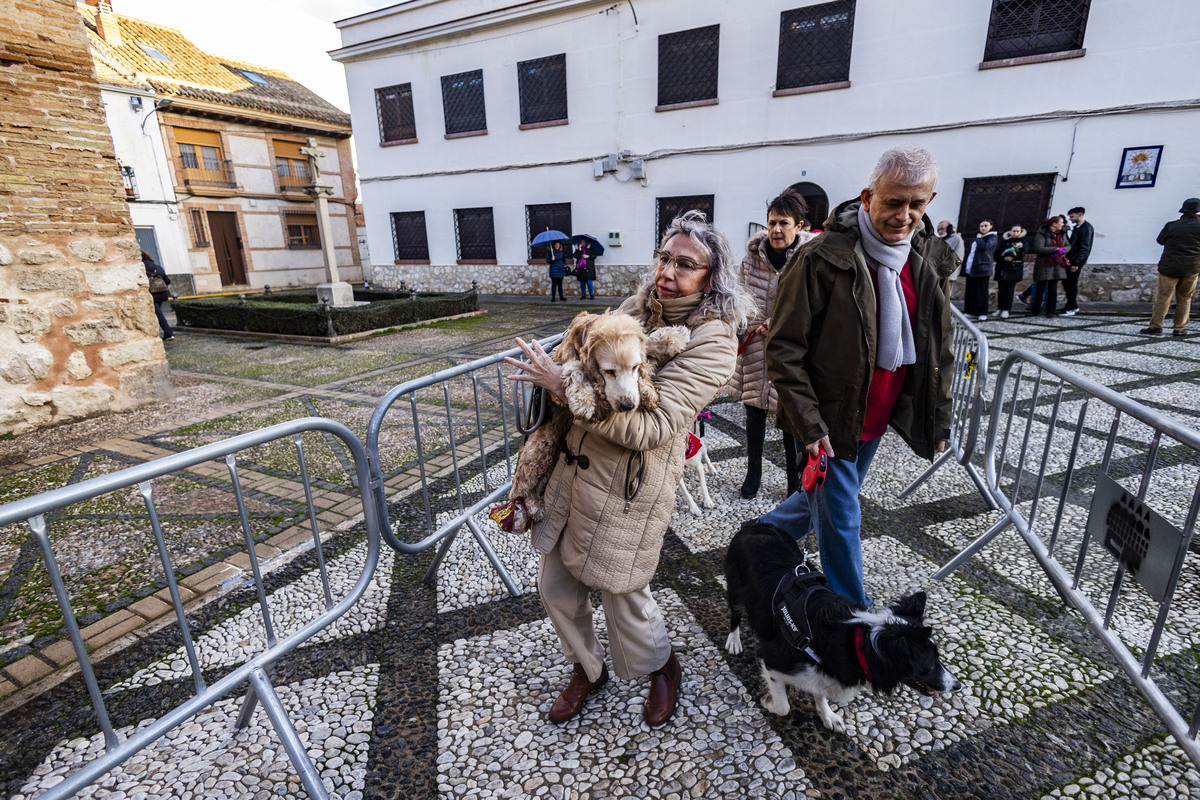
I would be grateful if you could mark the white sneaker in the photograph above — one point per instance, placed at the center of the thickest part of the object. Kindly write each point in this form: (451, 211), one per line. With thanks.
(983, 317)
(1003, 315)
(1070, 312)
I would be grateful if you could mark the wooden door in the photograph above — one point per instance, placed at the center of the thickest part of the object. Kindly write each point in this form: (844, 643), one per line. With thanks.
(227, 245)
(1006, 200)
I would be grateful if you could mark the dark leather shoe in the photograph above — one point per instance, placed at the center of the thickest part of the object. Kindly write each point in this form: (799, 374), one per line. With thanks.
(750, 486)
(664, 692)
(570, 702)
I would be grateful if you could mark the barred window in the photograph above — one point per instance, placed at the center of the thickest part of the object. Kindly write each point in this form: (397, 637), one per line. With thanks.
(1006, 200)
(668, 208)
(814, 45)
(409, 236)
(301, 229)
(462, 102)
(475, 234)
(552, 216)
(687, 65)
(543, 86)
(397, 123)
(199, 228)
(1021, 28)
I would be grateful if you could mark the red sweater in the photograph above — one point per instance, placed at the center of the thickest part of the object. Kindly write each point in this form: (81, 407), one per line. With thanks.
(885, 384)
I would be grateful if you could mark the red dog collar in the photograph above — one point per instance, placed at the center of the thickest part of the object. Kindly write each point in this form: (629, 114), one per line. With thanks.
(859, 639)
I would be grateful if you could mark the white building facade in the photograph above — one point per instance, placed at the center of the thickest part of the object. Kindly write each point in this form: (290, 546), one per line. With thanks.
(481, 123)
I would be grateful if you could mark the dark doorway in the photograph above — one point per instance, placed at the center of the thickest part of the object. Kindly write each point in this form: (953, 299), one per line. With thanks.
(1006, 200)
(816, 200)
(148, 242)
(227, 245)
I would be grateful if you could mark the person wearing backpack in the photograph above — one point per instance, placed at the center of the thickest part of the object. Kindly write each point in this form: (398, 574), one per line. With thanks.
(159, 291)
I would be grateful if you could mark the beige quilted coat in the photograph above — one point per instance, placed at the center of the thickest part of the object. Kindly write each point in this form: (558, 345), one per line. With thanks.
(612, 515)
(749, 382)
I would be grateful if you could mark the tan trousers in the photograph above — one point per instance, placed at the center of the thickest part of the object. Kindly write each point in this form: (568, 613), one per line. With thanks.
(637, 633)
(1182, 289)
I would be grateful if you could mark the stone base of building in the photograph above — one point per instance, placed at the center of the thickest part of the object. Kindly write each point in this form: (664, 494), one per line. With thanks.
(617, 280)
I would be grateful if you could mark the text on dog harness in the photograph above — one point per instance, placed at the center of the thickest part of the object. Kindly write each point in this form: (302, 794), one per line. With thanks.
(790, 605)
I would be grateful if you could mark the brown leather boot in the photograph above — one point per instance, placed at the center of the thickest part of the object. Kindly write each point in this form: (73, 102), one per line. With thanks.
(664, 691)
(570, 702)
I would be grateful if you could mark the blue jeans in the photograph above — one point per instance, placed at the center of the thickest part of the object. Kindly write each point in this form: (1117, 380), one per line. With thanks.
(837, 521)
(586, 289)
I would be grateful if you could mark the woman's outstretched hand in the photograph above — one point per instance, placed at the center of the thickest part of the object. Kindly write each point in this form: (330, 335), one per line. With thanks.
(541, 369)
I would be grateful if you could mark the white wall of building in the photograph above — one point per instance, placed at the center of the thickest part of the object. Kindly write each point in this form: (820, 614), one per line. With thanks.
(914, 77)
(141, 147)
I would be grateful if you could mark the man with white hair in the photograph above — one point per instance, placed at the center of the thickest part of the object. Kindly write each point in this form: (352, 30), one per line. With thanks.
(860, 340)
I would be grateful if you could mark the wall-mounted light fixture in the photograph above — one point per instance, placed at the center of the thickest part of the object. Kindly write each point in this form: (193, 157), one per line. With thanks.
(160, 105)
(135, 102)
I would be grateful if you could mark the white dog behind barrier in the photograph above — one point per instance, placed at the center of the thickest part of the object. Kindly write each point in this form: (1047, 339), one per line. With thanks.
(697, 456)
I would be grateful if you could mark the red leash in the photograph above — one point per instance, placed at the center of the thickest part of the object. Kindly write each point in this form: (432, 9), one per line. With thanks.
(750, 336)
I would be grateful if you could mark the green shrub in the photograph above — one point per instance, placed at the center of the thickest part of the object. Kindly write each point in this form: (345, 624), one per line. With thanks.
(298, 314)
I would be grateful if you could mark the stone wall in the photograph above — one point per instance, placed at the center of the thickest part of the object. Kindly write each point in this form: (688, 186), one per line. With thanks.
(617, 280)
(1115, 283)
(78, 335)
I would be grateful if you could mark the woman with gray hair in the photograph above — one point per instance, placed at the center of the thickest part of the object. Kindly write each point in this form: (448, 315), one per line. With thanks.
(610, 498)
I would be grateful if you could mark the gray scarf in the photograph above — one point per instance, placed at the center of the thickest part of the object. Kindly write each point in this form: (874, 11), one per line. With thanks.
(895, 347)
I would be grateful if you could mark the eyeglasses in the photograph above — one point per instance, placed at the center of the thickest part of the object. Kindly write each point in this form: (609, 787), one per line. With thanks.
(682, 264)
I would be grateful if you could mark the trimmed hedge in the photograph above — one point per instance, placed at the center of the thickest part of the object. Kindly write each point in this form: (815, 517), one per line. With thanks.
(298, 314)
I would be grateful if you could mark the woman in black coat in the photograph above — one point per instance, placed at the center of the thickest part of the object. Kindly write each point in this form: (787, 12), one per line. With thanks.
(157, 276)
(585, 270)
(1010, 266)
(1052, 247)
(978, 267)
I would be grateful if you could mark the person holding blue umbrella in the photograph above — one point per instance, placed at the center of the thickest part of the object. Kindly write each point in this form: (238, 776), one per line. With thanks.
(556, 258)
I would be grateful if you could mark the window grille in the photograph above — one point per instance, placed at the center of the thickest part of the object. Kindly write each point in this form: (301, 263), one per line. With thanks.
(394, 104)
(301, 229)
(475, 234)
(814, 45)
(1035, 27)
(1006, 200)
(199, 228)
(131, 187)
(668, 208)
(543, 87)
(687, 65)
(462, 102)
(409, 237)
(203, 166)
(555, 216)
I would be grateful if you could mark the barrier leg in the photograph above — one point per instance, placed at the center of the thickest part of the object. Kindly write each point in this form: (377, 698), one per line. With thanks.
(932, 468)
(973, 548)
(981, 485)
(439, 556)
(490, 551)
(249, 704)
(261, 686)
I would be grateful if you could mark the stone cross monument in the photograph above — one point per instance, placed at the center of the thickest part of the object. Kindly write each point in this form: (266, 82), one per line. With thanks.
(334, 291)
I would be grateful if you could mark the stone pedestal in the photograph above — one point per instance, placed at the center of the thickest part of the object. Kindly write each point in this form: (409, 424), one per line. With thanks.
(338, 293)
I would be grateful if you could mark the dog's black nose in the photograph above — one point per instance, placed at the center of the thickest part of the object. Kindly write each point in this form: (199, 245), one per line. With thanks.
(627, 405)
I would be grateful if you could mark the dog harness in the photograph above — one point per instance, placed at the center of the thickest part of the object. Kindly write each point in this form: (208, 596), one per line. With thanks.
(794, 591)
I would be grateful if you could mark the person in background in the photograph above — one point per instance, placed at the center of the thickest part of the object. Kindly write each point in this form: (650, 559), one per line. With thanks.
(159, 281)
(859, 340)
(978, 267)
(766, 254)
(1010, 267)
(610, 497)
(1081, 237)
(947, 233)
(585, 270)
(556, 257)
(804, 231)
(1051, 246)
(1177, 269)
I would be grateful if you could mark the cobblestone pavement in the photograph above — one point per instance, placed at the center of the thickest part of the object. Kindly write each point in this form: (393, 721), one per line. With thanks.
(441, 691)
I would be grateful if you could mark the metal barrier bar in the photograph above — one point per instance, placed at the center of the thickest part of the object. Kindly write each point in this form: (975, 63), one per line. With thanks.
(1146, 557)
(33, 510)
(967, 390)
(443, 535)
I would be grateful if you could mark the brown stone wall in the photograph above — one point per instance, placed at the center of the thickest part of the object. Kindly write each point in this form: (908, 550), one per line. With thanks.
(78, 336)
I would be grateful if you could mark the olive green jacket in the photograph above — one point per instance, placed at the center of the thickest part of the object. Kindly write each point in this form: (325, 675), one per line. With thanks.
(822, 341)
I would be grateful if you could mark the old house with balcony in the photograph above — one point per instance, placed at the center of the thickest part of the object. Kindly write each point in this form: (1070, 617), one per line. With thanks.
(210, 155)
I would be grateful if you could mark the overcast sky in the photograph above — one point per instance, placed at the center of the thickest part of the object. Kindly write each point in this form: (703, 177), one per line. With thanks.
(289, 35)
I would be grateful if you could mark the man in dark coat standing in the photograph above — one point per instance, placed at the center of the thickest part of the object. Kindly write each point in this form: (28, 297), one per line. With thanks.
(860, 340)
(1177, 269)
(1081, 247)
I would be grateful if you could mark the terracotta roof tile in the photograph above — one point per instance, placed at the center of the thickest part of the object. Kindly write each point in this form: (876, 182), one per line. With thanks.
(193, 73)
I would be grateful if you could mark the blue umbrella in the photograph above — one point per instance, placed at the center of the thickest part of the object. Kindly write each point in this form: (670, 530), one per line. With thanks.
(596, 249)
(547, 236)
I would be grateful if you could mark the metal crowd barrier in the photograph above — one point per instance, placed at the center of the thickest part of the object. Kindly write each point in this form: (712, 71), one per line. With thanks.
(1061, 441)
(256, 671)
(967, 392)
(448, 435)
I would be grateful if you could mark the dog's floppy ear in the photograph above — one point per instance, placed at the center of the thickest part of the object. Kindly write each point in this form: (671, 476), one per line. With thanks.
(572, 344)
(911, 607)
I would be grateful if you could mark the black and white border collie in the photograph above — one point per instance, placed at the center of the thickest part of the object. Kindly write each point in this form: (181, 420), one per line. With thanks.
(843, 647)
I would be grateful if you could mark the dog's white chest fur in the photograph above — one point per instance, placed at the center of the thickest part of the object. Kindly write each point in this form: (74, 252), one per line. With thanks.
(812, 680)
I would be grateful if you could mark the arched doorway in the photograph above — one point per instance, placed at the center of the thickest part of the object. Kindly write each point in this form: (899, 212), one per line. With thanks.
(816, 200)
